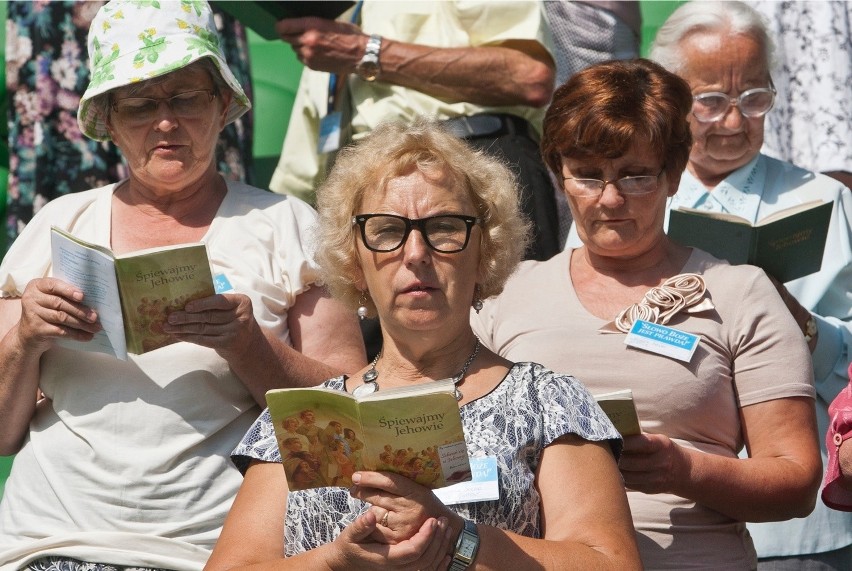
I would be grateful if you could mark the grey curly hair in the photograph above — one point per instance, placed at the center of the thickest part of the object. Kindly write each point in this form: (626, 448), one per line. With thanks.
(393, 149)
(714, 17)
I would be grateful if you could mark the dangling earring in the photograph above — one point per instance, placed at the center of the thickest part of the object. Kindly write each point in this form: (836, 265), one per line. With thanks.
(477, 301)
(362, 306)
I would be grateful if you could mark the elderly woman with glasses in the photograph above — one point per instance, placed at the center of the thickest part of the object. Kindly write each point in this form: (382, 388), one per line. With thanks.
(713, 358)
(722, 49)
(126, 463)
(417, 228)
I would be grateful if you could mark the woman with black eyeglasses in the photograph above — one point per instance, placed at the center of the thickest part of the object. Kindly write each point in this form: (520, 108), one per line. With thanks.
(418, 228)
(724, 52)
(712, 356)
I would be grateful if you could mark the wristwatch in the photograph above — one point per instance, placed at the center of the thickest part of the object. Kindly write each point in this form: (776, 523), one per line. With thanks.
(368, 68)
(466, 547)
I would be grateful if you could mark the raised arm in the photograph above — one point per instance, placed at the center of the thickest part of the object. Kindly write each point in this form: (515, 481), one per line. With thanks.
(511, 73)
(325, 336)
(778, 481)
(589, 530)
(253, 536)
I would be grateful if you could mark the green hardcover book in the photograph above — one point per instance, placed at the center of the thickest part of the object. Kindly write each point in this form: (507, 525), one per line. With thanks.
(262, 16)
(788, 244)
(621, 410)
(132, 293)
(326, 435)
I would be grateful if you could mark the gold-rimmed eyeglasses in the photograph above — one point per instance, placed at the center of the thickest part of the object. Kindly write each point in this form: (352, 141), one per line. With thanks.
(627, 185)
(186, 105)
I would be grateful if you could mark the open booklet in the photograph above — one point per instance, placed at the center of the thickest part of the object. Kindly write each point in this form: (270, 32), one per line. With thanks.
(788, 244)
(325, 435)
(132, 293)
(621, 410)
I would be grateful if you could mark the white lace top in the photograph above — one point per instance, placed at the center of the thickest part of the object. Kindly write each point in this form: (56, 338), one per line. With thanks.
(530, 408)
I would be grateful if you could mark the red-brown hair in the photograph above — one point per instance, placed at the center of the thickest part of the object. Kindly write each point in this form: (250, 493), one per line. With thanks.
(603, 109)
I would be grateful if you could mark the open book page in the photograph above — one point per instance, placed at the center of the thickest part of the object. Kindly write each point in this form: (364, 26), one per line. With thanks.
(132, 293)
(621, 410)
(789, 212)
(325, 435)
(777, 215)
(93, 271)
(155, 282)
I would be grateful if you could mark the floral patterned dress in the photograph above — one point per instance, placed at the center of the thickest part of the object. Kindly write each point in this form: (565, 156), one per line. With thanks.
(46, 74)
(526, 412)
(811, 124)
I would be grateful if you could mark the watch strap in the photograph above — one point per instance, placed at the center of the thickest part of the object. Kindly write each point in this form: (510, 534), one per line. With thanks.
(369, 67)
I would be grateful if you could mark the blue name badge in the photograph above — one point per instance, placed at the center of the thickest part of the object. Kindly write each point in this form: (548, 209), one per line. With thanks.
(329, 133)
(222, 284)
(662, 340)
(482, 487)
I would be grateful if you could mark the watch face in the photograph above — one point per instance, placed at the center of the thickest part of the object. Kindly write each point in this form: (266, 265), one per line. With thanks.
(368, 70)
(467, 549)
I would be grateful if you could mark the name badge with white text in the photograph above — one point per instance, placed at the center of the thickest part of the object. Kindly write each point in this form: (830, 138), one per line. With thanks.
(662, 340)
(482, 487)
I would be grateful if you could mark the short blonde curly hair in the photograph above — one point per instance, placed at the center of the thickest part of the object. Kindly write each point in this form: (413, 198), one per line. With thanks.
(392, 150)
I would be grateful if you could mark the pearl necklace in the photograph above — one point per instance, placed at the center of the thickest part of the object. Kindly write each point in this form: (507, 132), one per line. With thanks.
(371, 382)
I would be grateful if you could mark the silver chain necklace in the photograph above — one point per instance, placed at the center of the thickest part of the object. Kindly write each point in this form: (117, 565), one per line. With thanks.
(371, 377)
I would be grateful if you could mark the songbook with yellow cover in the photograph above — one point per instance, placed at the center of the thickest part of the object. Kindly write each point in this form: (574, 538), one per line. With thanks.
(325, 435)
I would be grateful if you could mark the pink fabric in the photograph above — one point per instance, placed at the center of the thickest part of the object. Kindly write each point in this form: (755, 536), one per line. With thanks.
(839, 430)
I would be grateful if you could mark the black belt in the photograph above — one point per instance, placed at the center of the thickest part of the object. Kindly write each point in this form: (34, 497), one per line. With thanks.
(489, 125)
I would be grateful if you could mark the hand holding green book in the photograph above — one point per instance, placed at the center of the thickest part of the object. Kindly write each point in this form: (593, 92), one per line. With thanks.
(788, 244)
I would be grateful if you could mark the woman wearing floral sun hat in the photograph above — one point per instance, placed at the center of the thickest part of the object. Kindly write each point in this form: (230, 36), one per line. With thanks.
(125, 463)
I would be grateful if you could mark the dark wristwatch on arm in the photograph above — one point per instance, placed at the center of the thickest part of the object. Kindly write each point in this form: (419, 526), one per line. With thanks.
(466, 547)
(369, 68)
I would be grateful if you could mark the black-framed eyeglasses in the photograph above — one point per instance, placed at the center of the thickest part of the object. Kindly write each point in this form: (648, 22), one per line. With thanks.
(754, 103)
(445, 233)
(627, 185)
(187, 105)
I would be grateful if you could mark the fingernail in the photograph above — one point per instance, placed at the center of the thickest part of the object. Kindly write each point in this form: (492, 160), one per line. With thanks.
(356, 478)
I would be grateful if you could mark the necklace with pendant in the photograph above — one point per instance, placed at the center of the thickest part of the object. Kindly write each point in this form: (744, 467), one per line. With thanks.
(371, 377)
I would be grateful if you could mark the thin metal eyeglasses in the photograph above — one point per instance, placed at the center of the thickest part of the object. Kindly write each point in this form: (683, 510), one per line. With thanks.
(714, 105)
(627, 185)
(187, 105)
(445, 233)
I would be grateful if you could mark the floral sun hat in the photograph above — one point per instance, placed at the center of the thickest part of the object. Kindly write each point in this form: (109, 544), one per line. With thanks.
(135, 40)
